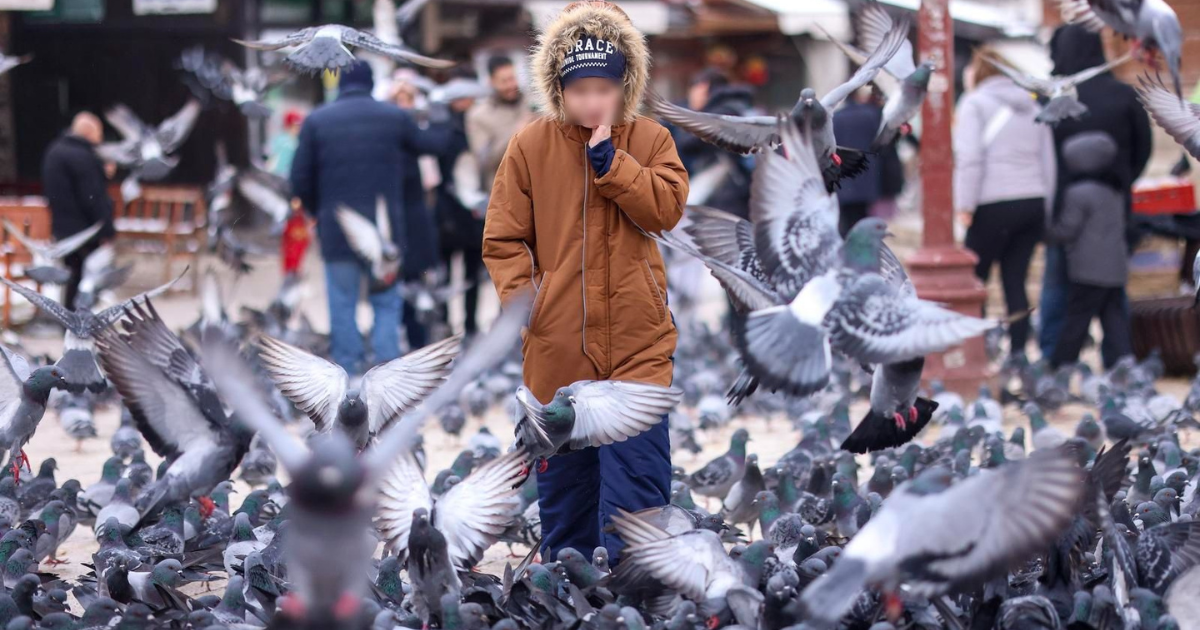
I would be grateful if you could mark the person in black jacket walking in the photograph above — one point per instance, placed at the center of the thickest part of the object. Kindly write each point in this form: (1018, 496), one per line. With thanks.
(76, 188)
(351, 152)
(1114, 109)
(712, 93)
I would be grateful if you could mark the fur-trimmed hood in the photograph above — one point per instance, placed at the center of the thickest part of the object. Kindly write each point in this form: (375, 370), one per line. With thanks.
(603, 20)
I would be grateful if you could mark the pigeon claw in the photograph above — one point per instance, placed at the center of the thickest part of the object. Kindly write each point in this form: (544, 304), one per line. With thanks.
(16, 471)
(713, 623)
(912, 414)
(292, 606)
(543, 464)
(893, 607)
(906, 129)
(207, 505)
(54, 561)
(346, 606)
(837, 159)
(900, 424)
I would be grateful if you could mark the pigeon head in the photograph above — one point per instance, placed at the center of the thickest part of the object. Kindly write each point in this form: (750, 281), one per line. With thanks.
(112, 469)
(931, 481)
(99, 613)
(920, 76)
(863, 242)
(352, 411)
(46, 470)
(332, 477)
(540, 577)
(44, 379)
(167, 572)
(737, 443)
(809, 109)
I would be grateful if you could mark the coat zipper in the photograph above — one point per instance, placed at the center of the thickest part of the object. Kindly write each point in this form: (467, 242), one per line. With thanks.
(583, 249)
(662, 301)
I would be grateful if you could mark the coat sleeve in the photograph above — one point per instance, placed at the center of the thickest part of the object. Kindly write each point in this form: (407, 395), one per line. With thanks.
(433, 139)
(968, 156)
(653, 195)
(92, 196)
(1071, 218)
(304, 169)
(508, 234)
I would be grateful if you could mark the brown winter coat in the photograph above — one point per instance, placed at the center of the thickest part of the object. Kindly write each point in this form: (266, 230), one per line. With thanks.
(601, 306)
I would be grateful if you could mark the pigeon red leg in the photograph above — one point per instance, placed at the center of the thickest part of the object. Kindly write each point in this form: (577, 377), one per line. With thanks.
(899, 420)
(837, 159)
(893, 607)
(912, 414)
(292, 606)
(906, 129)
(346, 606)
(543, 464)
(16, 471)
(52, 561)
(713, 623)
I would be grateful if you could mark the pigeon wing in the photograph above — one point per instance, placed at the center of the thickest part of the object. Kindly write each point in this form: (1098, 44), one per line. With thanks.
(105, 318)
(1179, 119)
(403, 54)
(740, 134)
(1084, 75)
(174, 130)
(47, 305)
(11, 378)
(313, 384)
(786, 346)
(614, 411)
(264, 196)
(126, 122)
(874, 25)
(402, 489)
(393, 388)
(1029, 82)
(293, 39)
(34, 246)
(475, 512)
(125, 153)
(889, 46)
(65, 246)
(409, 11)
(1015, 511)
(686, 563)
(362, 235)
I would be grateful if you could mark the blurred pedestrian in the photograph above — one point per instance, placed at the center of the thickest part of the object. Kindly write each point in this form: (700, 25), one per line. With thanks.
(1091, 229)
(459, 215)
(1112, 108)
(283, 144)
(493, 121)
(1004, 181)
(572, 194)
(75, 182)
(854, 125)
(351, 152)
(710, 91)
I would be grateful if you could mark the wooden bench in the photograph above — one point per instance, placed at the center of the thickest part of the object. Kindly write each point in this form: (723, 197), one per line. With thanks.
(32, 215)
(167, 220)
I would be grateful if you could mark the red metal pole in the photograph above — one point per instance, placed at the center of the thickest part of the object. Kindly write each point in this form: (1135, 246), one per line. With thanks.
(941, 270)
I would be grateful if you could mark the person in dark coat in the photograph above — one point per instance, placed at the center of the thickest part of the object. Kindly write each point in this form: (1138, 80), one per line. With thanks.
(854, 125)
(351, 152)
(76, 189)
(711, 92)
(1113, 108)
(1091, 228)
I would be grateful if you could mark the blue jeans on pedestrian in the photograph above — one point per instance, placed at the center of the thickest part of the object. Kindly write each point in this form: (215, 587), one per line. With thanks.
(580, 492)
(1053, 307)
(343, 284)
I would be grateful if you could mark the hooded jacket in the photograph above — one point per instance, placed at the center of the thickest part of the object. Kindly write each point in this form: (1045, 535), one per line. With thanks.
(1015, 162)
(1091, 223)
(1112, 107)
(553, 227)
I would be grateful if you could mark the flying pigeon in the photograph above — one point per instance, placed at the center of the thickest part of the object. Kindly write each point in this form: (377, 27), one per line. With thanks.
(328, 48)
(8, 62)
(48, 256)
(896, 414)
(1152, 24)
(1179, 119)
(471, 515)
(1060, 90)
(756, 134)
(324, 391)
(147, 151)
(372, 242)
(78, 361)
(930, 535)
(590, 413)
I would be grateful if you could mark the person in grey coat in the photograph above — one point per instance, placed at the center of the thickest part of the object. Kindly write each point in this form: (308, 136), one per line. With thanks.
(1091, 228)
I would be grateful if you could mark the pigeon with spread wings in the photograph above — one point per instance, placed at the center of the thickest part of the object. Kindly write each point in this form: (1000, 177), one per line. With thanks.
(323, 390)
(78, 361)
(372, 243)
(48, 256)
(1180, 120)
(1152, 24)
(1060, 90)
(147, 151)
(328, 48)
(756, 134)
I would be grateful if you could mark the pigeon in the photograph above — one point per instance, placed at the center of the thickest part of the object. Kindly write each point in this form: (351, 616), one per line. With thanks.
(8, 62)
(147, 151)
(1059, 90)
(174, 405)
(435, 582)
(716, 478)
(1015, 510)
(1180, 120)
(75, 416)
(323, 390)
(93, 498)
(328, 47)
(756, 134)
(242, 543)
(903, 83)
(126, 440)
(23, 397)
(372, 243)
(48, 256)
(738, 504)
(119, 507)
(1152, 24)
(78, 361)
(896, 414)
(471, 515)
(590, 413)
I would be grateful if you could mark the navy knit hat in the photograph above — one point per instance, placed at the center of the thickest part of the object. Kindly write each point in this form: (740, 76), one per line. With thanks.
(357, 75)
(593, 57)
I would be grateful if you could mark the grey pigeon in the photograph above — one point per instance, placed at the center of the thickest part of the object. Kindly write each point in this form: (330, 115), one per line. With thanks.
(23, 397)
(965, 532)
(119, 507)
(1059, 90)
(372, 242)
(754, 134)
(716, 478)
(126, 440)
(896, 414)
(97, 495)
(590, 413)
(324, 391)
(328, 48)
(48, 254)
(1152, 24)
(429, 567)
(1181, 120)
(147, 151)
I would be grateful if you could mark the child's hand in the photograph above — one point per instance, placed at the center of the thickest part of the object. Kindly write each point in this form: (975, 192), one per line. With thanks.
(600, 134)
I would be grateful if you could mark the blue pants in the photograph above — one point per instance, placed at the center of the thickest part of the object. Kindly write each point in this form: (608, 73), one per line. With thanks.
(343, 281)
(1053, 307)
(579, 492)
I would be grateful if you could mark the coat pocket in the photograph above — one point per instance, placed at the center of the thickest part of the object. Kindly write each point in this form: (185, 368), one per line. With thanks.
(538, 300)
(656, 293)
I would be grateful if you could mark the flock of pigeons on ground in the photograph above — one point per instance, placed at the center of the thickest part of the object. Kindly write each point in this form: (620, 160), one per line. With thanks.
(858, 525)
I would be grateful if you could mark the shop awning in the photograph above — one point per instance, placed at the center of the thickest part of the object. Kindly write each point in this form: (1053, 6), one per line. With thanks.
(797, 18)
(652, 17)
(173, 7)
